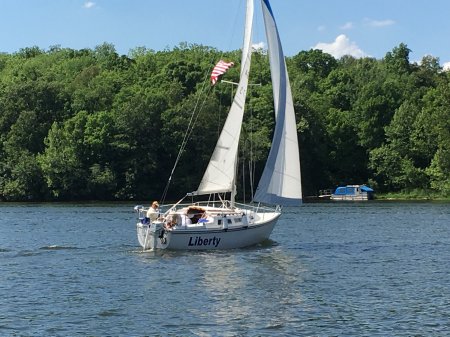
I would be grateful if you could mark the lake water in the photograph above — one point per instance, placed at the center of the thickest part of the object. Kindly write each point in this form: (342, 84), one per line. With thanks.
(331, 269)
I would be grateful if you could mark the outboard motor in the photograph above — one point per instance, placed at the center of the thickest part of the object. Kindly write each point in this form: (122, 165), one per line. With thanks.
(224, 222)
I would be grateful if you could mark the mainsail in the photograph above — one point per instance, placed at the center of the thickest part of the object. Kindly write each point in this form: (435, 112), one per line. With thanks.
(220, 173)
(280, 182)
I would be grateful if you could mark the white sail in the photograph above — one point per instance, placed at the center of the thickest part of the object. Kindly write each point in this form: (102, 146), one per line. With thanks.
(220, 173)
(280, 182)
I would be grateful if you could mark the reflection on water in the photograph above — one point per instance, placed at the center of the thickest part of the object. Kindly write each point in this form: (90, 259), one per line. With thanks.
(360, 269)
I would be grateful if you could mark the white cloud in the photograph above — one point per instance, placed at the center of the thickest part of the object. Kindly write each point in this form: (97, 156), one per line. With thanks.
(378, 23)
(340, 47)
(259, 46)
(347, 26)
(446, 66)
(88, 4)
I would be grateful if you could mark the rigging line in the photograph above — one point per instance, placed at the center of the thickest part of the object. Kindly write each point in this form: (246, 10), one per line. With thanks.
(192, 121)
(190, 127)
(195, 112)
(243, 177)
(250, 173)
(251, 161)
(189, 130)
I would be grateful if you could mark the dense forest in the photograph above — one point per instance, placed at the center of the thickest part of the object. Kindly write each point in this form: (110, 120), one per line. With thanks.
(91, 124)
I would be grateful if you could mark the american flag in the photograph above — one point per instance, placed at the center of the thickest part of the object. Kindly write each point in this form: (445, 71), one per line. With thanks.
(220, 68)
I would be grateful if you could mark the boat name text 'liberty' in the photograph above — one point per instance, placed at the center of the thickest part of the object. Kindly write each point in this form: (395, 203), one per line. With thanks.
(198, 241)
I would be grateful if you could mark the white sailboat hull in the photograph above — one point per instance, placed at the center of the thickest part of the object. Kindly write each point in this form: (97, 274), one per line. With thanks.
(156, 236)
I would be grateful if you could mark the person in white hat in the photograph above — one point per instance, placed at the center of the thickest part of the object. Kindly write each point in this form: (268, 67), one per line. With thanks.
(153, 211)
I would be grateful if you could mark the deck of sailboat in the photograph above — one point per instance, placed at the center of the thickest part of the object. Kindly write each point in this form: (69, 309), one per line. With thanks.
(213, 216)
(220, 207)
(210, 214)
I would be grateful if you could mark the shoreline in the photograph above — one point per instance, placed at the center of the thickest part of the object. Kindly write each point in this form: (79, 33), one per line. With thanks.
(388, 197)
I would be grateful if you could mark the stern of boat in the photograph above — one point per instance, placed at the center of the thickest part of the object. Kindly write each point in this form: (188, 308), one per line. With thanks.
(151, 235)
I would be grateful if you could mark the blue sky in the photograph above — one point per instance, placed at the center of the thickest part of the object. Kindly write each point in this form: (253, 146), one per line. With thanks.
(356, 27)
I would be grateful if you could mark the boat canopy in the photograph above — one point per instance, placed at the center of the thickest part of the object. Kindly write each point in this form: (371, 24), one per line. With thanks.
(365, 188)
(352, 189)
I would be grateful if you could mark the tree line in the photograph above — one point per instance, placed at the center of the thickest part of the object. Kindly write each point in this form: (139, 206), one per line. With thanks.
(91, 124)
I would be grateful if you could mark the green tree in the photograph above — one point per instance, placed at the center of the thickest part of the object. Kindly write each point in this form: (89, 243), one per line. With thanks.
(437, 107)
(63, 158)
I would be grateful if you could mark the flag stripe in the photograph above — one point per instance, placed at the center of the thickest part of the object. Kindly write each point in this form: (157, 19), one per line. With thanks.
(220, 68)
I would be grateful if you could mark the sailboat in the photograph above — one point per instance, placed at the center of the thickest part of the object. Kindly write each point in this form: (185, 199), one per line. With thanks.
(221, 223)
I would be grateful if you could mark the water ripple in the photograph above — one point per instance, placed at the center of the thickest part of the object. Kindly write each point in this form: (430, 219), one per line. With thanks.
(57, 247)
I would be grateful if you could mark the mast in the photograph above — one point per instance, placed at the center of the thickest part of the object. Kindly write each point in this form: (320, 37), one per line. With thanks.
(220, 175)
(246, 58)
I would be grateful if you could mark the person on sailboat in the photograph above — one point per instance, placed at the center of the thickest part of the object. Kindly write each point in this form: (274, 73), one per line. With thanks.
(185, 220)
(153, 211)
(173, 221)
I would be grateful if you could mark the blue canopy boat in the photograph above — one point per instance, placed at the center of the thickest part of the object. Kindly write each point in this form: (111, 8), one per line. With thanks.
(353, 192)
